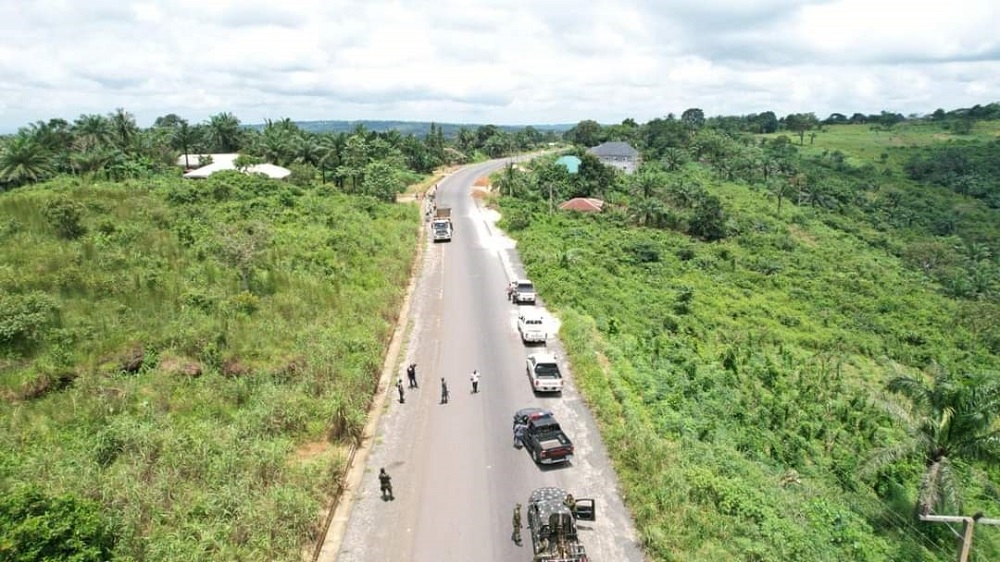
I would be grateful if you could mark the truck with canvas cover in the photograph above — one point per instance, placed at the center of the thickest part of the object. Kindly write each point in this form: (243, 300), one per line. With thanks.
(441, 227)
(552, 523)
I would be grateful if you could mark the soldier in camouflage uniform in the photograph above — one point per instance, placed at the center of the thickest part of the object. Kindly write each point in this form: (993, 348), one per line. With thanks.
(570, 502)
(516, 534)
(385, 484)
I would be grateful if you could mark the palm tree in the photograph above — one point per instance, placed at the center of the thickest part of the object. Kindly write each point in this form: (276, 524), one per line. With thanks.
(647, 182)
(224, 132)
(329, 151)
(308, 149)
(23, 161)
(54, 135)
(647, 211)
(508, 180)
(953, 419)
(124, 128)
(674, 158)
(780, 190)
(93, 160)
(275, 145)
(182, 138)
(92, 131)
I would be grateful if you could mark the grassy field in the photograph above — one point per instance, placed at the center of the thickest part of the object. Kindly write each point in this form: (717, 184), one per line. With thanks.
(867, 144)
(736, 382)
(191, 359)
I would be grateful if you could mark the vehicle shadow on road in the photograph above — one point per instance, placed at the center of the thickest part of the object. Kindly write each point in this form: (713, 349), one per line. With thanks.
(554, 467)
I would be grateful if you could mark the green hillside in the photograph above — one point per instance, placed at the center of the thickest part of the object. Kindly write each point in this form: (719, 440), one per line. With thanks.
(185, 363)
(736, 349)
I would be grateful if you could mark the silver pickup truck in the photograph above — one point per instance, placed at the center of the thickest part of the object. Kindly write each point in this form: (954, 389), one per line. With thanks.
(523, 292)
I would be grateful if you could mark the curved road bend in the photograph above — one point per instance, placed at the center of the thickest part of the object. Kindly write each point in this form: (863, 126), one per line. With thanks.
(455, 473)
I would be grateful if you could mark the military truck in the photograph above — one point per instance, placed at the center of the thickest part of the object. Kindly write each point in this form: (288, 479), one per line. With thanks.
(441, 226)
(552, 523)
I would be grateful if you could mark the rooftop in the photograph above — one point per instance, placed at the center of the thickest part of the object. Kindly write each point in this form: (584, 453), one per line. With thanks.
(614, 148)
(228, 162)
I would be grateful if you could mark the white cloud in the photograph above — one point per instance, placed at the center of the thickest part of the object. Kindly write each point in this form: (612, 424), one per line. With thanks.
(492, 61)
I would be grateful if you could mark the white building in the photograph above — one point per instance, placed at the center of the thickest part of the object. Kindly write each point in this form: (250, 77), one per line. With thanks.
(227, 162)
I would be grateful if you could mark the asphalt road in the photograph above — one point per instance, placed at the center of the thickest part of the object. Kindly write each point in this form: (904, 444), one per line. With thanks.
(455, 474)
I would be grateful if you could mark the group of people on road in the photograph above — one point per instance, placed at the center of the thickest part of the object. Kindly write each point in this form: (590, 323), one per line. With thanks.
(411, 375)
(385, 482)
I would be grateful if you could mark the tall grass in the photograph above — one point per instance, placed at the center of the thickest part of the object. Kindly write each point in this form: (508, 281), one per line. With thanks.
(209, 423)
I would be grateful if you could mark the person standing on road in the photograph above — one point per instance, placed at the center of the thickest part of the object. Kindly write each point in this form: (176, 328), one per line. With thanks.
(399, 387)
(411, 374)
(570, 502)
(444, 391)
(516, 533)
(519, 430)
(475, 381)
(385, 484)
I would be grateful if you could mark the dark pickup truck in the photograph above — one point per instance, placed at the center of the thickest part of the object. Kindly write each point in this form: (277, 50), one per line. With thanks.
(546, 442)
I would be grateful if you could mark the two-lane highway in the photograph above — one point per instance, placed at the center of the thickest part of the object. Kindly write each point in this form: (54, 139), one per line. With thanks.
(456, 475)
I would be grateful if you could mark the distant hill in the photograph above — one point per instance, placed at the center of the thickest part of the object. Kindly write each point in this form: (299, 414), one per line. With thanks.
(418, 128)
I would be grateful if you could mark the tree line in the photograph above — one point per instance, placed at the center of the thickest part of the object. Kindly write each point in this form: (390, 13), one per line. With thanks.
(114, 147)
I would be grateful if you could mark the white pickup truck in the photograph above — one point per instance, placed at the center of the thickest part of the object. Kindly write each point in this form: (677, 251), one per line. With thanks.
(544, 374)
(522, 291)
(531, 326)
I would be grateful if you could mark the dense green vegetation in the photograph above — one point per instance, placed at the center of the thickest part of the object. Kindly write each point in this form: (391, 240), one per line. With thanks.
(190, 355)
(184, 365)
(791, 350)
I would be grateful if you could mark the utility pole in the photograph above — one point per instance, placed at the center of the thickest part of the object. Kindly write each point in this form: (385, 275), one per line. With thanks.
(969, 525)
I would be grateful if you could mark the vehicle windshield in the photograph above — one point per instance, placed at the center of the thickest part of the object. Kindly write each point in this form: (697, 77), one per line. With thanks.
(526, 287)
(441, 226)
(547, 370)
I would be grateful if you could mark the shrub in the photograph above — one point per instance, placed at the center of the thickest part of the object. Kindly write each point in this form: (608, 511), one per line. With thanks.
(34, 526)
(23, 318)
(302, 174)
(65, 217)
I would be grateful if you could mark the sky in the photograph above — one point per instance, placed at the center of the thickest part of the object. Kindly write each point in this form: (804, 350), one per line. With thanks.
(505, 62)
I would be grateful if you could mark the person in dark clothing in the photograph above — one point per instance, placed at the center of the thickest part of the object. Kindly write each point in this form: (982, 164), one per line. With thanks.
(385, 484)
(444, 391)
(399, 387)
(411, 374)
